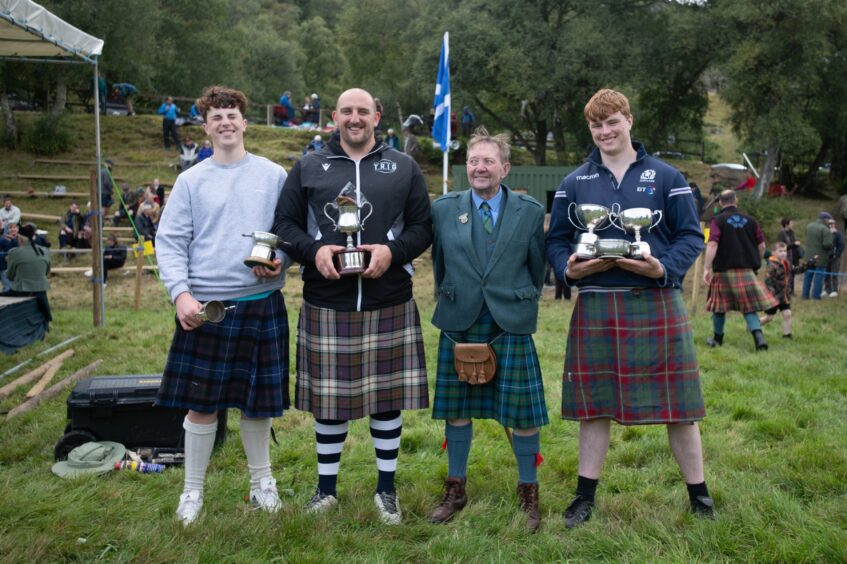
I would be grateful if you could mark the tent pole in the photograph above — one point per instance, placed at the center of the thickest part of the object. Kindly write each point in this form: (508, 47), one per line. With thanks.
(97, 234)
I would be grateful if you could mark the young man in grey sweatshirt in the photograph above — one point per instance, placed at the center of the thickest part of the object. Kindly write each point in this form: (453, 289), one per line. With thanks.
(241, 361)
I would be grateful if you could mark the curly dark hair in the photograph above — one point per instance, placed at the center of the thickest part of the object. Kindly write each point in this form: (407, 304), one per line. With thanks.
(221, 97)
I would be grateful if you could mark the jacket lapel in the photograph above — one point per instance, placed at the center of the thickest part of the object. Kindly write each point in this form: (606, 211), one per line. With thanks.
(509, 219)
(464, 229)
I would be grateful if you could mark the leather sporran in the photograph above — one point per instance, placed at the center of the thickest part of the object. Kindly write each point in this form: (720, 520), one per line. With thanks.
(475, 363)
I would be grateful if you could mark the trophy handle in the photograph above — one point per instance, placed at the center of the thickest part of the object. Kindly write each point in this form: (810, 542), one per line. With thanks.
(658, 221)
(331, 204)
(571, 215)
(363, 219)
(615, 217)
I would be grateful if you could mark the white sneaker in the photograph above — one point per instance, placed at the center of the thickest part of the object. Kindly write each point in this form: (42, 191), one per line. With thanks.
(321, 502)
(190, 504)
(266, 496)
(833, 294)
(389, 508)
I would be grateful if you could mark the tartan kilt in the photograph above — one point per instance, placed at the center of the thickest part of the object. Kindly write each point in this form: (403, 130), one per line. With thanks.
(241, 362)
(738, 289)
(630, 357)
(515, 397)
(352, 364)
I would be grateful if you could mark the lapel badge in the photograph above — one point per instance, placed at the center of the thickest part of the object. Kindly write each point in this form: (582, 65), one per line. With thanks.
(463, 218)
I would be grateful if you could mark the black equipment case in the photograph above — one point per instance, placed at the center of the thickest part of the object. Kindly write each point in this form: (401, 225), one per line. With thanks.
(121, 409)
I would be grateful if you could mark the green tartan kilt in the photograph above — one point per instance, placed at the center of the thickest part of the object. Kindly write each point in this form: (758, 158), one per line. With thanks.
(515, 397)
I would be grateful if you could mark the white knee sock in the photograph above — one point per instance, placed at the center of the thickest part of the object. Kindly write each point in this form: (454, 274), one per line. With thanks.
(199, 440)
(256, 438)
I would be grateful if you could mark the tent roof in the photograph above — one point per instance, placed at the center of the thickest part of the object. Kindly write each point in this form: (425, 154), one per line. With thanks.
(28, 30)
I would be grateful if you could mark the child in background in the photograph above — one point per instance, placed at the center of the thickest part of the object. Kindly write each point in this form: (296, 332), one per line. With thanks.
(777, 280)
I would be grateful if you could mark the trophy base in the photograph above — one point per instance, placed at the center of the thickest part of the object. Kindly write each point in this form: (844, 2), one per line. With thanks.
(250, 262)
(351, 262)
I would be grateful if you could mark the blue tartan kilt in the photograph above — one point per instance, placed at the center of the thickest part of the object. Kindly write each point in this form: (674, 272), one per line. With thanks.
(514, 398)
(630, 357)
(241, 362)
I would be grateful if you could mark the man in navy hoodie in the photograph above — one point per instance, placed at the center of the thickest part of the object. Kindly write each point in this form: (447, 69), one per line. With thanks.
(630, 352)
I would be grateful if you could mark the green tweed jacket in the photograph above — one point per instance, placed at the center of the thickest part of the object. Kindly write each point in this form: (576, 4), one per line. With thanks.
(26, 270)
(511, 282)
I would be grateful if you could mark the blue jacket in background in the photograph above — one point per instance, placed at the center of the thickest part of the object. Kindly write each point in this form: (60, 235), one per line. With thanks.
(676, 241)
(170, 111)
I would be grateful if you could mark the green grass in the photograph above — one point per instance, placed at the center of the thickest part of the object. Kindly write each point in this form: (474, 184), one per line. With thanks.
(773, 439)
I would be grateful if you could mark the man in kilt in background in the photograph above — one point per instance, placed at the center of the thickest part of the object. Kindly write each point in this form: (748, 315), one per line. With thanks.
(241, 362)
(630, 353)
(733, 256)
(488, 262)
(360, 349)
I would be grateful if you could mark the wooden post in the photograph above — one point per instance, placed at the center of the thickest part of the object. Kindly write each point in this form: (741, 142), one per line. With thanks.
(139, 268)
(95, 249)
(269, 114)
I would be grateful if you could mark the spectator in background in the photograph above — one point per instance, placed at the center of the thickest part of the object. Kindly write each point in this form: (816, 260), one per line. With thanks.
(392, 140)
(315, 116)
(316, 144)
(8, 241)
(27, 267)
(205, 151)
(148, 215)
(126, 91)
(194, 116)
(169, 112)
(9, 213)
(698, 198)
(188, 153)
(831, 280)
(842, 209)
(468, 121)
(102, 91)
(818, 243)
(306, 110)
(107, 187)
(114, 255)
(285, 102)
(128, 202)
(158, 191)
(793, 246)
(71, 233)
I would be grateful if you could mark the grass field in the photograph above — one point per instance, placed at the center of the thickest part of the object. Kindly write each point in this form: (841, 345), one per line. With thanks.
(774, 447)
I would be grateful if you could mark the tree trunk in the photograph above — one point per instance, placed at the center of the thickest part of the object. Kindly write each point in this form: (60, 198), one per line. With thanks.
(61, 96)
(767, 171)
(540, 152)
(9, 119)
(811, 174)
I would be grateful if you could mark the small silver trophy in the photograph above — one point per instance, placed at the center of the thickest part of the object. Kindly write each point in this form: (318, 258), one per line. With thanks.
(633, 221)
(213, 311)
(264, 249)
(349, 220)
(590, 217)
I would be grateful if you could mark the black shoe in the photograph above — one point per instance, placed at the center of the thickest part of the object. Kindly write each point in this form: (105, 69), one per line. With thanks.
(759, 339)
(703, 507)
(787, 336)
(578, 512)
(715, 341)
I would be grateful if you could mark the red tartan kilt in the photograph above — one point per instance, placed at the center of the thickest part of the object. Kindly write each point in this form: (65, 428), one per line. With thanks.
(738, 289)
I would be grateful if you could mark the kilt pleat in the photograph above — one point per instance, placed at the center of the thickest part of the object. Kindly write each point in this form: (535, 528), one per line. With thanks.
(514, 398)
(630, 357)
(738, 289)
(353, 364)
(241, 362)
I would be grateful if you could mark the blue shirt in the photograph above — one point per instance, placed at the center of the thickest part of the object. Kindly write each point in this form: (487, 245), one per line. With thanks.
(493, 203)
(168, 110)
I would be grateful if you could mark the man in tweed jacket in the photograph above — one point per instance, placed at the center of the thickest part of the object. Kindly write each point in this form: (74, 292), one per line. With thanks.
(488, 261)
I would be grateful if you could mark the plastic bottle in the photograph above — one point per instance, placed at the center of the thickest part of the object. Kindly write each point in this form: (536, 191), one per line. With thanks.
(143, 467)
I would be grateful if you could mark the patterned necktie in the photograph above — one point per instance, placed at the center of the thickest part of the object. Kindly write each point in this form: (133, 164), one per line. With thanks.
(487, 218)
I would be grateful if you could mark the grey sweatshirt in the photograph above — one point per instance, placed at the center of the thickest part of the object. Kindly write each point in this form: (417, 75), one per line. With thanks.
(199, 243)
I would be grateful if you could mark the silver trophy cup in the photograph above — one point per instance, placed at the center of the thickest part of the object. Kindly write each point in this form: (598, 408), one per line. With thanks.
(633, 221)
(264, 249)
(349, 220)
(591, 218)
(213, 311)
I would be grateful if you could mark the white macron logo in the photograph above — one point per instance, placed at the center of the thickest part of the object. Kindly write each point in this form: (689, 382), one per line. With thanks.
(589, 176)
(326, 166)
(648, 175)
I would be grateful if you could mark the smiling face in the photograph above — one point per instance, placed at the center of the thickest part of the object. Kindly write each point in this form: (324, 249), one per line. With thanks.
(611, 135)
(356, 116)
(226, 128)
(486, 169)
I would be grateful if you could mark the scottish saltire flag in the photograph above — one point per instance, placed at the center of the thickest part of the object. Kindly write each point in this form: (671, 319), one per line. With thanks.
(441, 124)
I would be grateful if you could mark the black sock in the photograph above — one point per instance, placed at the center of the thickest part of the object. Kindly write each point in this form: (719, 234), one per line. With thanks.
(585, 487)
(697, 490)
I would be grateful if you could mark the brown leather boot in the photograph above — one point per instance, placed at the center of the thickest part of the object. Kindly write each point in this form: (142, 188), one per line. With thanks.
(454, 500)
(528, 497)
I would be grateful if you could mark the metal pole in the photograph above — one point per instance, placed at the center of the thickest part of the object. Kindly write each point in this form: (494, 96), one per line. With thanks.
(97, 266)
(447, 109)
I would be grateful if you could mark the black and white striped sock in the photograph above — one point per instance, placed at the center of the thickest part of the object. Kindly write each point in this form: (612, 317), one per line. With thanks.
(385, 431)
(329, 441)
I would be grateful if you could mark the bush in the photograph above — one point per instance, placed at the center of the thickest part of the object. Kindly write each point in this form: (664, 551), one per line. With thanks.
(46, 136)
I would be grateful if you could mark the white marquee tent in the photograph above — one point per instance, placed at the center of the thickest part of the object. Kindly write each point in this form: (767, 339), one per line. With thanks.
(30, 32)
